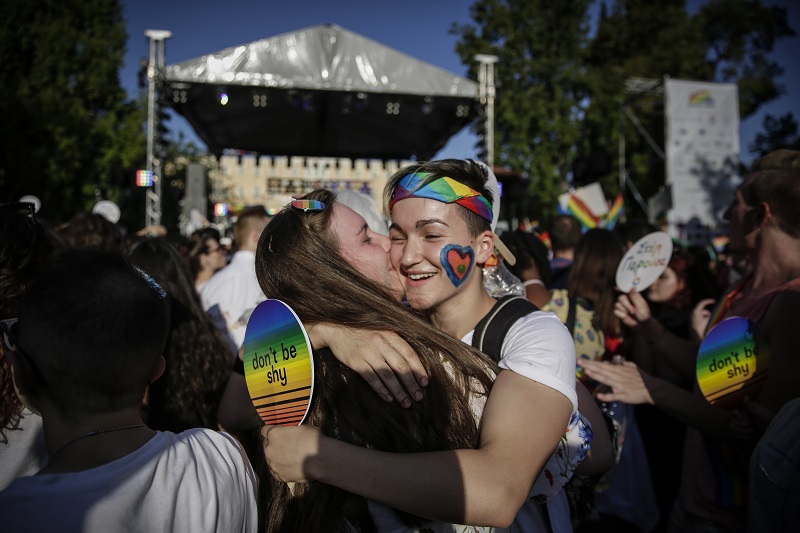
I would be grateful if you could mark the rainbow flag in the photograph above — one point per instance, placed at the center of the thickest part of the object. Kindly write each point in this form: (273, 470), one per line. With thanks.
(581, 211)
(545, 238)
(616, 211)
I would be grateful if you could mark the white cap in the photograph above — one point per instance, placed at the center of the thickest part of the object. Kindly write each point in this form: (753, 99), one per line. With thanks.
(492, 185)
(108, 210)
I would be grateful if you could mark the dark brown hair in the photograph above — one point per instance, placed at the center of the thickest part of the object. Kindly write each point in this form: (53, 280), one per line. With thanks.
(297, 261)
(25, 247)
(199, 360)
(466, 171)
(565, 230)
(593, 275)
(775, 180)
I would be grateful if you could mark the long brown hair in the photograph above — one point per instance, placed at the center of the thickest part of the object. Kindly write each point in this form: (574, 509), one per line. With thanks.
(297, 261)
(25, 247)
(593, 275)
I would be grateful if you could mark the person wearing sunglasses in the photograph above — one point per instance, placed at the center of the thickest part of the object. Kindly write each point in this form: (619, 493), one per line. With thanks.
(206, 257)
(88, 341)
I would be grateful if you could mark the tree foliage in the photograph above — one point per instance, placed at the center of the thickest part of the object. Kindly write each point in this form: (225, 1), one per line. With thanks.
(68, 133)
(780, 132)
(565, 93)
(541, 83)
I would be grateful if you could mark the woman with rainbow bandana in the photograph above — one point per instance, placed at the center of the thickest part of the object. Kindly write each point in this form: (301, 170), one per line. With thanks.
(441, 236)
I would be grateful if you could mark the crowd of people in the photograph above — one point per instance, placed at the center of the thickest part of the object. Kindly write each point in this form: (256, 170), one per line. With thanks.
(438, 405)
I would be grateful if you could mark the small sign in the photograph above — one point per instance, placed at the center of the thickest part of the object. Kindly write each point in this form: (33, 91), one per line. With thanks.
(732, 363)
(644, 262)
(278, 364)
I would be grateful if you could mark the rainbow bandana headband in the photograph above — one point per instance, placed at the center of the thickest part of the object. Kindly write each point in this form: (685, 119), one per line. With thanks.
(446, 190)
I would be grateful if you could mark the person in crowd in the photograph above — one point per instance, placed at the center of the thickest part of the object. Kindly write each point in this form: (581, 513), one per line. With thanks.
(25, 248)
(671, 297)
(532, 266)
(586, 306)
(330, 267)
(451, 492)
(587, 309)
(233, 292)
(198, 357)
(634, 229)
(205, 257)
(565, 231)
(763, 224)
(88, 340)
(91, 231)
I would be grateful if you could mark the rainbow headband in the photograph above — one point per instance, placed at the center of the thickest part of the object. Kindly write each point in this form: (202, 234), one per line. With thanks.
(443, 189)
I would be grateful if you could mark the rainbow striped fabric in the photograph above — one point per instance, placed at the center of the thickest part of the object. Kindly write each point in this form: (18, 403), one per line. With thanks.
(616, 211)
(581, 211)
(307, 205)
(446, 190)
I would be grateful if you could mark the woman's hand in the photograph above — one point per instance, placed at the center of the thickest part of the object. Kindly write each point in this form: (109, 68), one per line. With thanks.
(632, 309)
(700, 316)
(289, 449)
(626, 381)
(386, 361)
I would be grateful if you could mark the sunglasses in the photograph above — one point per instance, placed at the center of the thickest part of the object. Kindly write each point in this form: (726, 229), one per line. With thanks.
(9, 327)
(298, 202)
(26, 209)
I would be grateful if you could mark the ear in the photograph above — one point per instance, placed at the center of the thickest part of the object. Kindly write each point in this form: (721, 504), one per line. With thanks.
(24, 378)
(22, 373)
(763, 213)
(161, 365)
(484, 247)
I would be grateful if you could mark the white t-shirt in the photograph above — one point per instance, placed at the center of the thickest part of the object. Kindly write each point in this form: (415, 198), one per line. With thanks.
(25, 453)
(539, 346)
(232, 294)
(195, 481)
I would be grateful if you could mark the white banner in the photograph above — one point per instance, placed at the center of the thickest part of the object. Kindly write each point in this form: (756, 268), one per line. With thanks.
(702, 154)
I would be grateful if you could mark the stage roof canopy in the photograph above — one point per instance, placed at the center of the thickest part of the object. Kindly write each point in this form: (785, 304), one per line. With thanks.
(321, 91)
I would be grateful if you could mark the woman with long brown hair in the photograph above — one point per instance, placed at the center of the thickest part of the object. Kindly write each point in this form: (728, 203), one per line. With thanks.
(301, 262)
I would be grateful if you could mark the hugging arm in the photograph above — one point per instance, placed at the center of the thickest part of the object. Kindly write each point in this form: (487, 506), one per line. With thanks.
(382, 358)
(484, 486)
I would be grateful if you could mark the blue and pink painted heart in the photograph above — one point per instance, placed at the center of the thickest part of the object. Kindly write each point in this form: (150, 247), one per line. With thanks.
(457, 262)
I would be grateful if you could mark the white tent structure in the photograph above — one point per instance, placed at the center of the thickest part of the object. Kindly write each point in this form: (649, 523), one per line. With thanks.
(321, 91)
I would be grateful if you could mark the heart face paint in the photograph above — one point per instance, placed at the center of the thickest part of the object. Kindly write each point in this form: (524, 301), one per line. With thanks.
(457, 262)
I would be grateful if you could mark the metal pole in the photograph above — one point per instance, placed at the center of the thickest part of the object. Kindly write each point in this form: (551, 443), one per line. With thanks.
(486, 95)
(155, 72)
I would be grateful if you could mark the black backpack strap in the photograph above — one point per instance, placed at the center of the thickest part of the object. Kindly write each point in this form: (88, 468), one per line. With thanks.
(492, 329)
(570, 323)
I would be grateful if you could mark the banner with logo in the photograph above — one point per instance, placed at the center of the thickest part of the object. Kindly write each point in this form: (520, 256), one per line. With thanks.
(702, 155)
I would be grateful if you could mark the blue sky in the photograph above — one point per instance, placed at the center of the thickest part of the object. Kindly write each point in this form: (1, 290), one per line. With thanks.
(415, 27)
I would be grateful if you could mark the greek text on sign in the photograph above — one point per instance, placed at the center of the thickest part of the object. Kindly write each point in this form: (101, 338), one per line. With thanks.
(644, 262)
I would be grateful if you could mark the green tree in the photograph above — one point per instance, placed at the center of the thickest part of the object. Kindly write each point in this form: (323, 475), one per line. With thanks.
(725, 41)
(567, 97)
(780, 132)
(68, 133)
(541, 85)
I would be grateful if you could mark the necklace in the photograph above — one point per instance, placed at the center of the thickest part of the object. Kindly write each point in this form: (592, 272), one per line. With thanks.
(92, 434)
